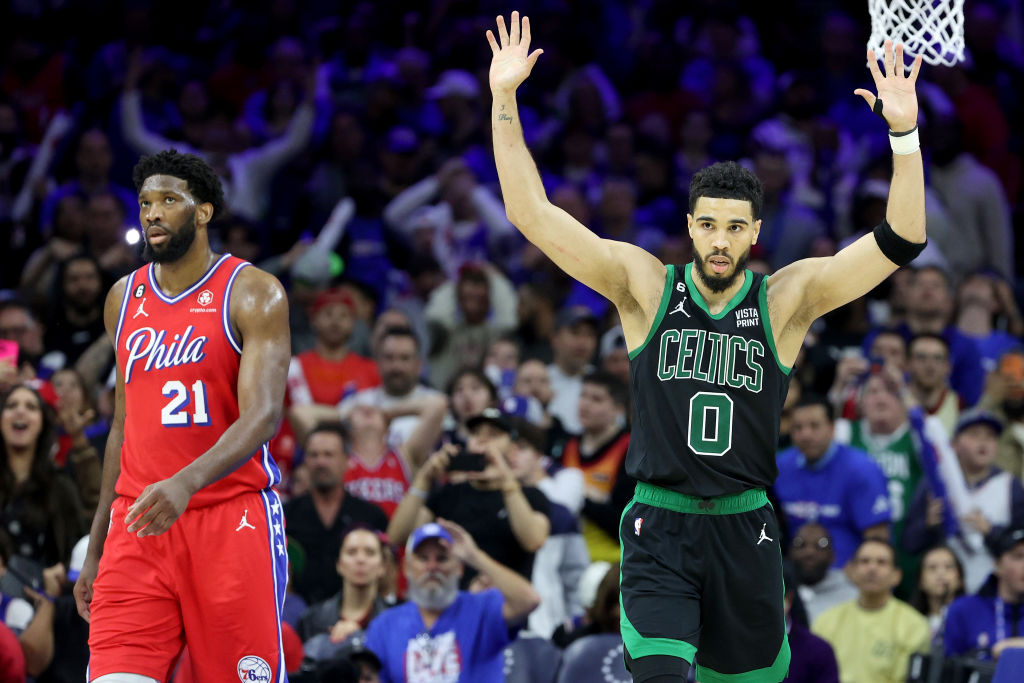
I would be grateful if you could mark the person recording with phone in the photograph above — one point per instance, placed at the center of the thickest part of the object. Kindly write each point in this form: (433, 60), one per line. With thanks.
(477, 489)
(22, 354)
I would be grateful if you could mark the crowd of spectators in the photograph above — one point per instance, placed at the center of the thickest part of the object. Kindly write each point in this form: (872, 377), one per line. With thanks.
(457, 408)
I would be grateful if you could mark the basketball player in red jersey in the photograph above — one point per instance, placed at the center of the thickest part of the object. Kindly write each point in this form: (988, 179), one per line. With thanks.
(187, 546)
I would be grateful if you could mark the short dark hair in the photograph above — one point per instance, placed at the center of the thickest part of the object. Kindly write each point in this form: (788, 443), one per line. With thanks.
(111, 197)
(890, 332)
(615, 387)
(887, 544)
(202, 182)
(80, 255)
(16, 302)
(336, 428)
(942, 272)
(811, 399)
(400, 331)
(928, 335)
(727, 180)
(480, 375)
(474, 274)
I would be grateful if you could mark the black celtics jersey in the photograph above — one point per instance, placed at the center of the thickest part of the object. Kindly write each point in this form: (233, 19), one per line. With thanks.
(707, 392)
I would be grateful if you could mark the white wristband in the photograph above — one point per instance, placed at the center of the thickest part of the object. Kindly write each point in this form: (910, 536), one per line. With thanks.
(905, 143)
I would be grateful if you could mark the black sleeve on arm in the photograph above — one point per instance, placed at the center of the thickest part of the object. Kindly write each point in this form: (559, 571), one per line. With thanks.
(371, 514)
(1016, 510)
(1016, 502)
(537, 500)
(917, 535)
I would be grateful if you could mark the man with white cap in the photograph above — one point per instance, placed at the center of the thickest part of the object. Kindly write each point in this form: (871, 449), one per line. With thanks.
(442, 633)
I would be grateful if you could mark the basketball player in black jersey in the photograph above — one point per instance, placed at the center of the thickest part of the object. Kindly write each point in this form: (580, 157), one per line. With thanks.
(711, 345)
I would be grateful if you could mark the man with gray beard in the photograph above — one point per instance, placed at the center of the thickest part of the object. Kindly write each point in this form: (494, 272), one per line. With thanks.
(442, 634)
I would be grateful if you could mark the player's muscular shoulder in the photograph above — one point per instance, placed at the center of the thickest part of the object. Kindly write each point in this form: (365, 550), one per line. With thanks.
(257, 299)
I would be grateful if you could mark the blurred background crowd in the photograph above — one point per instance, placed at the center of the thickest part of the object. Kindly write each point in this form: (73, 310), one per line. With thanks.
(353, 141)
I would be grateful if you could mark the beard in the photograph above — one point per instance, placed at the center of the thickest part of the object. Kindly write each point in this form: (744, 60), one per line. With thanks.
(397, 384)
(323, 481)
(810, 575)
(435, 597)
(719, 283)
(177, 245)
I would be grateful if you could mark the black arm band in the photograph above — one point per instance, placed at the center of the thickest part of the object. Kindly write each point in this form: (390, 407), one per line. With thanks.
(896, 249)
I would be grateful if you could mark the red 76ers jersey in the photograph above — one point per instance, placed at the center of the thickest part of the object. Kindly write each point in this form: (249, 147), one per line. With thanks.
(179, 358)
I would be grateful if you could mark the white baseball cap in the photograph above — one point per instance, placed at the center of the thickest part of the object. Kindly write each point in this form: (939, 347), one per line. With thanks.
(592, 577)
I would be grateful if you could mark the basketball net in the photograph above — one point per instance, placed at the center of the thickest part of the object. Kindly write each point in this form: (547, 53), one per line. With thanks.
(933, 29)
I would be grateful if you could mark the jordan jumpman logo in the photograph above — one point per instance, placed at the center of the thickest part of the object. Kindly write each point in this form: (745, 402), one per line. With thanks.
(764, 536)
(679, 308)
(140, 310)
(245, 522)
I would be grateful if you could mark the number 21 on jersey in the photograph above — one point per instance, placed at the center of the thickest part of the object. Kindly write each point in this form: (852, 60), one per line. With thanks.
(175, 413)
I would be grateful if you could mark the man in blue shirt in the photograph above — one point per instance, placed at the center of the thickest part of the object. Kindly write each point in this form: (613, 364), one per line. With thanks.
(836, 485)
(985, 624)
(444, 635)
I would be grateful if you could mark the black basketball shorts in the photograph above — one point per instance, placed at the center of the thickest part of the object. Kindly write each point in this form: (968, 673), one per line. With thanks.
(702, 581)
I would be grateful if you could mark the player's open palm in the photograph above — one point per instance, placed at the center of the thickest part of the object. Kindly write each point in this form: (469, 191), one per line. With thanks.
(511, 61)
(895, 89)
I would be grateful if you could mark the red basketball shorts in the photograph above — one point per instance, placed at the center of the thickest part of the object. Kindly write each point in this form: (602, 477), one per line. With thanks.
(215, 580)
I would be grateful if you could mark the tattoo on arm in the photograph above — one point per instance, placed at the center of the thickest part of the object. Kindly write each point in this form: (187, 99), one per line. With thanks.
(505, 117)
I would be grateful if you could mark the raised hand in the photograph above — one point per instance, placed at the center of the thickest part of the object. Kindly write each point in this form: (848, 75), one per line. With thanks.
(496, 472)
(74, 421)
(511, 61)
(895, 88)
(464, 547)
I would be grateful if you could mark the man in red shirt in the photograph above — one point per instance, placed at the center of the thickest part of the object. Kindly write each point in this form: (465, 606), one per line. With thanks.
(329, 372)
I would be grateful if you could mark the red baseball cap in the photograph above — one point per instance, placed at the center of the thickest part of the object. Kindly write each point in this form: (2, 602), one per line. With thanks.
(333, 296)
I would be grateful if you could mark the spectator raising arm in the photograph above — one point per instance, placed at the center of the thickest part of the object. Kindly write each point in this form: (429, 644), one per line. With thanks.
(305, 417)
(529, 526)
(431, 411)
(412, 511)
(133, 127)
(520, 597)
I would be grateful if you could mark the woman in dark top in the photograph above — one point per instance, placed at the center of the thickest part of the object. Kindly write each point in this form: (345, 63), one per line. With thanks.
(40, 508)
(361, 566)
